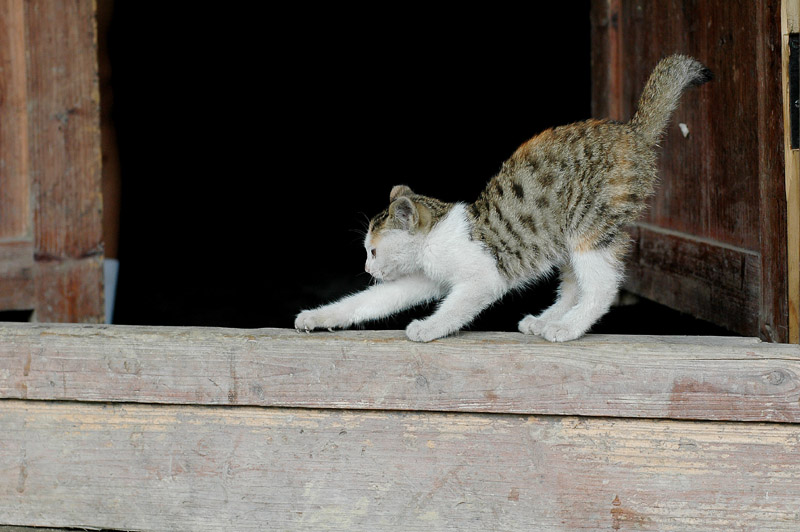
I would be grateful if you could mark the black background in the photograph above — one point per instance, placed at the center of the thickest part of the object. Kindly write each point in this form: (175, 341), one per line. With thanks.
(256, 142)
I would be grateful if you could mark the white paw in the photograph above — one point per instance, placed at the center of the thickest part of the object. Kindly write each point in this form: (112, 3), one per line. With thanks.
(560, 332)
(422, 331)
(530, 324)
(322, 318)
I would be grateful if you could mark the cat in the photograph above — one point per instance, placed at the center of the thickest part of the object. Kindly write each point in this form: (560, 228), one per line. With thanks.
(560, 201)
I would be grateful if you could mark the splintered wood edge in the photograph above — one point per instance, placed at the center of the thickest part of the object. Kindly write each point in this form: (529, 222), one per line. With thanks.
(703, 378)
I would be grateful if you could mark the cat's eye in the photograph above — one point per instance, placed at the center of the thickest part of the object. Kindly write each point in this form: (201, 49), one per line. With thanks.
(374, 252)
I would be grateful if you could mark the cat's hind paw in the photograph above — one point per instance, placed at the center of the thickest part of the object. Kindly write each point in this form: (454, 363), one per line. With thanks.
(530, 324)
(561, 332)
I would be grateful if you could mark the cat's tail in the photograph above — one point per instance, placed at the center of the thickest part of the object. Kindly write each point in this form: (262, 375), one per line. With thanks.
(671, 76)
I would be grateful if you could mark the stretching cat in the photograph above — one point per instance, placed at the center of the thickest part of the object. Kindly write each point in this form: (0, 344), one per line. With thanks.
(559, 202)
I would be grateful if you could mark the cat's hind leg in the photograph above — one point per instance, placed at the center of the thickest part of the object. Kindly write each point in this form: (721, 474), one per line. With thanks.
(567, 297)
(598, 273)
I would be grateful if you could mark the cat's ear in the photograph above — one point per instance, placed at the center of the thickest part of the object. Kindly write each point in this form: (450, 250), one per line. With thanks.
(405, 213)
(398, 191)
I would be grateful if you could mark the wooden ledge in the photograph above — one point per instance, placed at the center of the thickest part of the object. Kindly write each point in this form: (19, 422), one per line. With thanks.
(699, 378)
(356, 456)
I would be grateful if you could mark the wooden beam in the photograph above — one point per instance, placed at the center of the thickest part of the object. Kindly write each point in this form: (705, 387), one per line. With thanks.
(606, 59)
(15, 208)
(162, 467)
(636, 376)
(773, 308)
(665, 265)
(790, 23)
(16, 275)
(65, 160)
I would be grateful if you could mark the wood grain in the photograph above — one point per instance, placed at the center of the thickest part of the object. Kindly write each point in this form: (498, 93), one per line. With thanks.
(605, 60)
(15, 208)
(16, 234)
(158, 467)
(698, 193)
(723, 183)
(696, 276)
(773, 315)
(635, 376)
(65, 160)
(790, 23)
(16, 275)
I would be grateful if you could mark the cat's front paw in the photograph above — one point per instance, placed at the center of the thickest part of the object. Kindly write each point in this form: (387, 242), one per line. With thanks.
(308, 320)
(561, 332)
(530, 324)
(423, 331)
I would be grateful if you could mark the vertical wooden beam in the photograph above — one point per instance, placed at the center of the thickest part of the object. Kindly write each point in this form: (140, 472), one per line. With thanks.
(615, 61)
(773, 321)
(65, 159)
(16, 235)
(606, 59)
(15, 213)
(790, 23)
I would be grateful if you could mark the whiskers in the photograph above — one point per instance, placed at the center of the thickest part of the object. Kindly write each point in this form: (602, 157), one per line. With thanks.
(372, 280)
(364, 229)
(360, 232)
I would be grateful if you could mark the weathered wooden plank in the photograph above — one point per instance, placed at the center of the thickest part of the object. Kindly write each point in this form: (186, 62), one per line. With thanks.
(606, 60)
(698, 193)
(158, 467)
(15, 209)
(665, 266)
(790, 23)
(33, 529)
(16, 275)
(65, 160)
(773, 310)
(723, 183)
(69, 290)
(633, 376)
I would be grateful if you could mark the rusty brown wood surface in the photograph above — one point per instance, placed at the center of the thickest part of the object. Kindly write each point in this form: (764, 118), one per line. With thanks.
(15, 210)
(50, 195)
(666, 265)
(723, 183)
(773, 316)
(65, 160)
(16, 275)
(166, 468)
(16, 234)
(634, 376)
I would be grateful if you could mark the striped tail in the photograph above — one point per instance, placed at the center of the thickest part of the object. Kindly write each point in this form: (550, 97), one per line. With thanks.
(671, 76)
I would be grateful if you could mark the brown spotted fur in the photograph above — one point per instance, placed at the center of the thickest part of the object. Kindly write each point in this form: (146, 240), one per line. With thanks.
(568, 189)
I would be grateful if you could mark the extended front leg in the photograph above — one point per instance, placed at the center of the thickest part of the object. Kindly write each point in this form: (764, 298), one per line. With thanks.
(378, 301)
(462, 304)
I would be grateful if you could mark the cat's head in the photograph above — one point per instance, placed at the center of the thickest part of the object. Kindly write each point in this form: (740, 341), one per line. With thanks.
(395, 235)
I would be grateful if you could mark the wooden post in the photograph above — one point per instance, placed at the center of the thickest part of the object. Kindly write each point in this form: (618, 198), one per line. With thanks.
(790, 23)
(16, 229)
(51, 246)
(65, 160)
